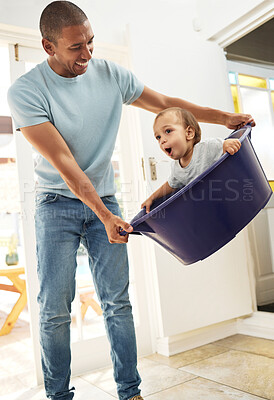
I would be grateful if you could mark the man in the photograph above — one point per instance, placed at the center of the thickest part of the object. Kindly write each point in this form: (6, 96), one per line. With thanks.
(69, 109)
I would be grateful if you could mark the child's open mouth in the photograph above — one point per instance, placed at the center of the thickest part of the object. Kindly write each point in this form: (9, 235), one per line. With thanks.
(168, 150)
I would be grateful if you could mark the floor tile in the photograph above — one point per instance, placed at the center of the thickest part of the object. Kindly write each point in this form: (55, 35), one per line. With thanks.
(103, 379)
(188, 357)
(244, 371)
(202, 389)
(263, 347)
(16, 358)
(10, 384)
(155, 377)
(26, 394)
(85, 390)
(28, 377)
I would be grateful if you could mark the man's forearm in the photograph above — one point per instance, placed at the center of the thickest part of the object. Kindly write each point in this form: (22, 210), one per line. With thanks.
(156, 102)
(202, 114)
(80, 185)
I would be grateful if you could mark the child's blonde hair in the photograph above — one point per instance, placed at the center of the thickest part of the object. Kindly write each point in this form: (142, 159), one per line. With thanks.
(186, 118)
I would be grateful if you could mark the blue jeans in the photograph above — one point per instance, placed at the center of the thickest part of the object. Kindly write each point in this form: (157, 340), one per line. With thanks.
(61, 224)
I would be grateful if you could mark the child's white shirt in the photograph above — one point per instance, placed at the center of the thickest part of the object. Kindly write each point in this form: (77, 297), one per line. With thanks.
(205, 153)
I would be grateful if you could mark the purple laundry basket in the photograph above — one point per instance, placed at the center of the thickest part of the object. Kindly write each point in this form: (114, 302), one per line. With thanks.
(203, 216)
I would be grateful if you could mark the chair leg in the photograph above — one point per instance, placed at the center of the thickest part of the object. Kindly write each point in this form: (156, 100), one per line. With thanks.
(95, 306)
(14, 314)
(84, 308)
(87, 300)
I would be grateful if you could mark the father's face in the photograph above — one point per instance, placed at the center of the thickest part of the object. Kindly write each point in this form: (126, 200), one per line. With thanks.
(73, 51)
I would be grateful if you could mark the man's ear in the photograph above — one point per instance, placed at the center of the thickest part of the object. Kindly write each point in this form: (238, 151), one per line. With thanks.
(190, 133)
(49, 47)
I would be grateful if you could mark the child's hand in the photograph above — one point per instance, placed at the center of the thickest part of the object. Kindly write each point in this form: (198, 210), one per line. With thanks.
(147, 203)
(231, 146)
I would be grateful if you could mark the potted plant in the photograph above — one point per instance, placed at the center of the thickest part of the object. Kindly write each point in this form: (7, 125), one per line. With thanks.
(12, 255)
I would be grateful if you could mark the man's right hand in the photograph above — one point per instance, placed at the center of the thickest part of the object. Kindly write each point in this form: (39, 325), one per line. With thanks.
(114, 225)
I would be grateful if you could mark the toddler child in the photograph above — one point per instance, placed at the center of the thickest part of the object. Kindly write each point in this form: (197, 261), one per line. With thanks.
(178, 134)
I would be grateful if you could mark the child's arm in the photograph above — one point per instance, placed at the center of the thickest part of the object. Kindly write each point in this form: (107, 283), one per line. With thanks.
(231, 146)
(164, 190)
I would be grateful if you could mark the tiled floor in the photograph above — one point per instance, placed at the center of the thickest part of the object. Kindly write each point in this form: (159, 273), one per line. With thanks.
(236, 368)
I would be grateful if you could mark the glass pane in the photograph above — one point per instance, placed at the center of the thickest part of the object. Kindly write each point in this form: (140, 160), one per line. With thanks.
(235, 97)
(246, 80)
(271, 83)
(115, 160)
(11, 244)
(256, 103)
(4, 80)
(232, 78)
(87, 320)
(10, 219)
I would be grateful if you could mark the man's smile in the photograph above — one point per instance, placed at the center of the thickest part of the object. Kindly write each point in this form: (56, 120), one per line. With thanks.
(81, 64)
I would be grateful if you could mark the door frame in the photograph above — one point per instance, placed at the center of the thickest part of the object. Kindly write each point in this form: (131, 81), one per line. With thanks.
(225, 37)
(29, 39)
(258, 262)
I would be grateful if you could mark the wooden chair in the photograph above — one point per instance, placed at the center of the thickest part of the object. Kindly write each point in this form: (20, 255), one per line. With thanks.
(86, 292)
(18, 286)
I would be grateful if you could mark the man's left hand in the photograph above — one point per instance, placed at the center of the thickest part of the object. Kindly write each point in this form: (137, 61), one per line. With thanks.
(236, 121)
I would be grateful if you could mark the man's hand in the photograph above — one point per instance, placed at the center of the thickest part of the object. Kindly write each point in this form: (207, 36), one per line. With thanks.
(236, 121)
(231, 146)
(114, 225)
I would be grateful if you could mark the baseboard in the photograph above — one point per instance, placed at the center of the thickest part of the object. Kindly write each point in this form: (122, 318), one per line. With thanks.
(259, 324)
(171, 345)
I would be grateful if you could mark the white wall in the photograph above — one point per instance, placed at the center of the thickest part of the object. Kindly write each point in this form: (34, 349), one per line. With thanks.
(216, 15)
(21, 13)
(169, 56)
(205, 293)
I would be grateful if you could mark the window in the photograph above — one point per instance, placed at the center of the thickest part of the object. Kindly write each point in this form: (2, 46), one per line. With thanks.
(11, 244)
(252, 90)
(4, 79)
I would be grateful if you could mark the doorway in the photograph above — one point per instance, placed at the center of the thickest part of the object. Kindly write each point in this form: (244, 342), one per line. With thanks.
(89, 350)
(251, 77)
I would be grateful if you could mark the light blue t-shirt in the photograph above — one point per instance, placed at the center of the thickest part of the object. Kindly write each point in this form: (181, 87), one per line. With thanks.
(205, 153)
(86, 110)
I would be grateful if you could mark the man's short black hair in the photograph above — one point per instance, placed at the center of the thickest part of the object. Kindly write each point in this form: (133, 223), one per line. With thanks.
(58, 15)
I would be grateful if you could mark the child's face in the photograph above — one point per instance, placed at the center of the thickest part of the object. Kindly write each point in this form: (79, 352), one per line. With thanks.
(174, 139)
